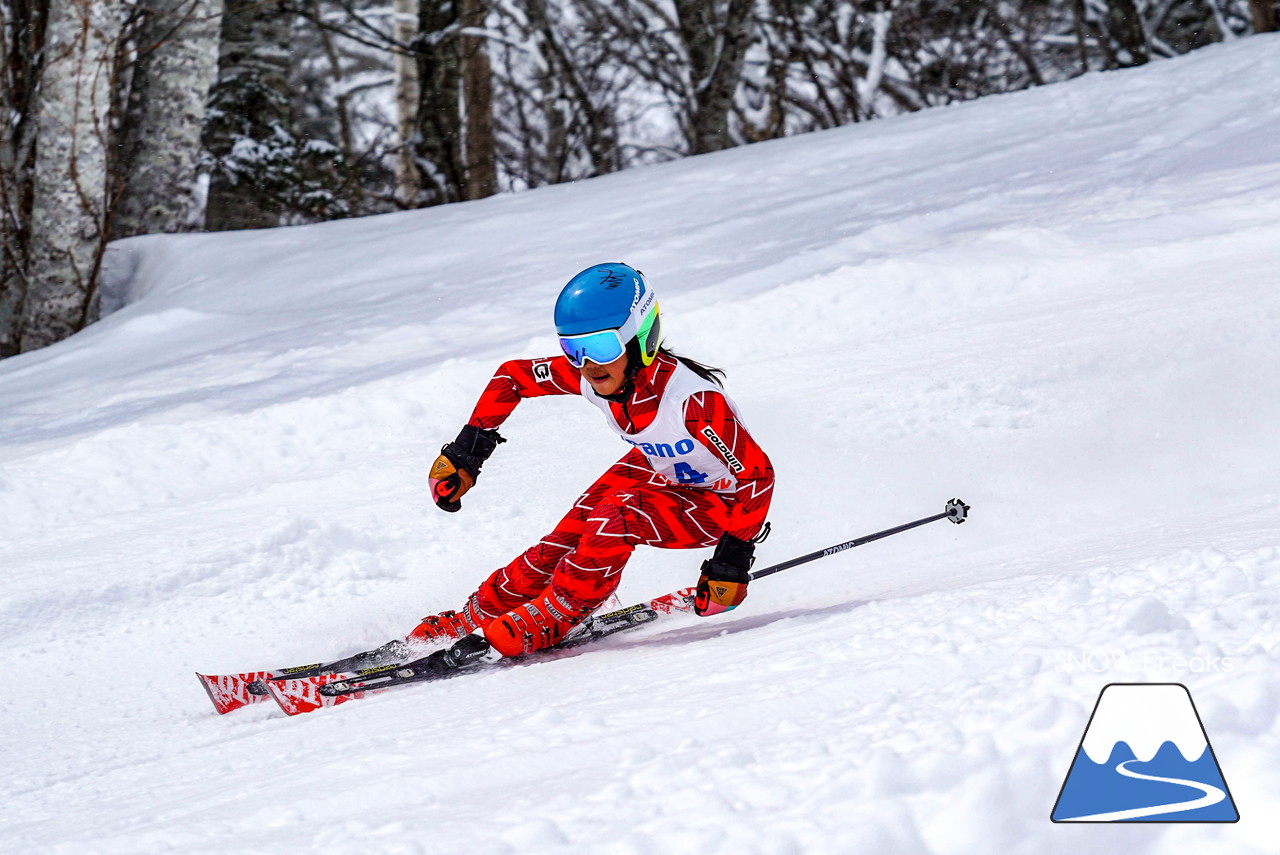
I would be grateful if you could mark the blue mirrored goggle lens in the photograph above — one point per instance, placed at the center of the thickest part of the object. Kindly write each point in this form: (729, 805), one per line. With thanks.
(600, 347)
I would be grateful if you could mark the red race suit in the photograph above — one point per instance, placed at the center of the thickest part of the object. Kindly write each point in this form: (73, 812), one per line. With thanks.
(693, 473)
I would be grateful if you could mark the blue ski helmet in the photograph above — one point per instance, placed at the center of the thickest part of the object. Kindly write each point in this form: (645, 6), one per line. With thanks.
(602, 310)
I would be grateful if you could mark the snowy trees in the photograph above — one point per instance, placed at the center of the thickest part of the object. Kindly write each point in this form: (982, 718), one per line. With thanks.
(714, 37)
(259, 170)
(441, 152)
(22, 44)
(68, 220)
(301, 110)
(74, 155)
(159, 137)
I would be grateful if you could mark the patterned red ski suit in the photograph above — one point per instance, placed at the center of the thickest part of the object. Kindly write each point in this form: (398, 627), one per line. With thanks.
(581, 560)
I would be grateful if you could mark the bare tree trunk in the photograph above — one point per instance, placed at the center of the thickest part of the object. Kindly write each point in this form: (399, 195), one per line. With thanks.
(881, 20)
(22, 34)
(250, 97)
(1083, 32)
(408, 182)
(69, 205)
(13, 285)
(1264, 15)
(1124, 23)
(477, 100)
(438, 138)
(716, 47)
(160, 145)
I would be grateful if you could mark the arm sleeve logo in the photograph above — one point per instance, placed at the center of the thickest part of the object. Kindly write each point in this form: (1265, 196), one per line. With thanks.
(734, 463)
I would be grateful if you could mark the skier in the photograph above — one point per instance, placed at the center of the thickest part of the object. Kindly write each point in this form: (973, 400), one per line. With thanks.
(694, 476)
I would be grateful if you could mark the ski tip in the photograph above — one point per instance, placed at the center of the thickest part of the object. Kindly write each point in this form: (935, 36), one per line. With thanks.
(206, 684)
(230, 692)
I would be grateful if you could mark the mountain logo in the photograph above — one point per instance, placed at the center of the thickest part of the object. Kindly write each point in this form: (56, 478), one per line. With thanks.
(1145, 757)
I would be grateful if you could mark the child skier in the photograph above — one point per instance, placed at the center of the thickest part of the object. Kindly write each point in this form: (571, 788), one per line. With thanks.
(693, 478)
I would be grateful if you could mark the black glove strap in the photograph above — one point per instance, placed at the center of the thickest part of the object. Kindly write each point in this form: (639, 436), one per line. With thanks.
(732, 560)
(472, 448)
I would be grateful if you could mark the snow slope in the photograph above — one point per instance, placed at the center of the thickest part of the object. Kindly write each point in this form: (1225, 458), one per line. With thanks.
(1060, 305)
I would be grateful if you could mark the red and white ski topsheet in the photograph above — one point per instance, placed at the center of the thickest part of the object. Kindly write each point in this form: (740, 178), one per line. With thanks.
(297, 696)
(231, 691)
(676, 601)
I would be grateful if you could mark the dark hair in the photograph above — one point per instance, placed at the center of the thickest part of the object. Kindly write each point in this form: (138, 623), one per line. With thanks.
(706, 372)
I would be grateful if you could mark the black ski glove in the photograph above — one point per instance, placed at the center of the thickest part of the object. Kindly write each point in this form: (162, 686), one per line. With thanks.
(457, 468)
(723, 583)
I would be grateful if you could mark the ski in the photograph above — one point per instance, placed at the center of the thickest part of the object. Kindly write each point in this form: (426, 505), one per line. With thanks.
(230, 692)
(302, 694)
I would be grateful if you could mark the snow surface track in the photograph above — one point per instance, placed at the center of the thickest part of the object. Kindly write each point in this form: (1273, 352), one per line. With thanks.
(1060, 305)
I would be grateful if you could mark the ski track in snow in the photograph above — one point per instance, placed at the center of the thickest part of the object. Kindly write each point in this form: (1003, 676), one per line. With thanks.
(1059, 305)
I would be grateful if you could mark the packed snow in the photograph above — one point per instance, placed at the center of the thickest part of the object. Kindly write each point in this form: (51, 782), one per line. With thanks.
(1059, 305)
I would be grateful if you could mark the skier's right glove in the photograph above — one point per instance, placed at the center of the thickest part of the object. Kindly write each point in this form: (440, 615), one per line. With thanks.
(458, 466)
(723, 583)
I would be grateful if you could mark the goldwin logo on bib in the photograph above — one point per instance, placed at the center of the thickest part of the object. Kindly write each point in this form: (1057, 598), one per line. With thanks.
(734, 463)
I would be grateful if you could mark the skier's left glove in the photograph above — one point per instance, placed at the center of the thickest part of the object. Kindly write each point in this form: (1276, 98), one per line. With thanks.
(458, 466)
(723, 583)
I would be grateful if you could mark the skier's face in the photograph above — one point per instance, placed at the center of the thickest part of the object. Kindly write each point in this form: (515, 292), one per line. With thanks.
(606, 379)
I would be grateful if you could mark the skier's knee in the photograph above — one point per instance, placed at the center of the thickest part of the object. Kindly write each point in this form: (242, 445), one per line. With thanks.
(611, 517)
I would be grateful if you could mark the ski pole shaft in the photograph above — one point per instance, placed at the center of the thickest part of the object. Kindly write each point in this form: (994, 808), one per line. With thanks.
(956, 511)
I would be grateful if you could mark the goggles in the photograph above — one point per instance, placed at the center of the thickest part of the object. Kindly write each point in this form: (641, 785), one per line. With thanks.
(600, 347)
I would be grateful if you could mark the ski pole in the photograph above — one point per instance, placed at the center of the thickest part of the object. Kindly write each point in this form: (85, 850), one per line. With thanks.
(956, 511)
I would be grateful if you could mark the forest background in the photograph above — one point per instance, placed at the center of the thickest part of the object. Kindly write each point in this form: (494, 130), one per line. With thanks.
(128, 117)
